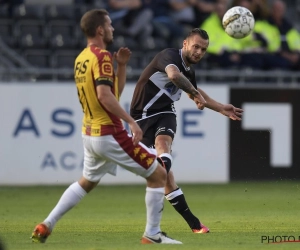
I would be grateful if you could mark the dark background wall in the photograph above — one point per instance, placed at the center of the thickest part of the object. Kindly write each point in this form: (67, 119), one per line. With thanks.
(250, 150)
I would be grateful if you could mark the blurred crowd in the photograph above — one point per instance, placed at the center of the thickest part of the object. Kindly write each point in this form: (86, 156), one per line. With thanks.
(273, 44)
(155, 24)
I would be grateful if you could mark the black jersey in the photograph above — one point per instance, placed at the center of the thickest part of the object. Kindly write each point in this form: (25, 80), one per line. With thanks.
(154, 92)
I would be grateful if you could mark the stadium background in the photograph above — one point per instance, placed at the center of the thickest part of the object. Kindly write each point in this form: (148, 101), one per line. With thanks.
(40, 115)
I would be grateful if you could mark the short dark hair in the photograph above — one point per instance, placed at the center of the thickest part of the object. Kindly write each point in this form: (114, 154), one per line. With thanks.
(91, 20)
(199, 32)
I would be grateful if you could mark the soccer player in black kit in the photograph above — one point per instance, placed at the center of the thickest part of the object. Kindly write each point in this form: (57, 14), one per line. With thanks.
(159, 86)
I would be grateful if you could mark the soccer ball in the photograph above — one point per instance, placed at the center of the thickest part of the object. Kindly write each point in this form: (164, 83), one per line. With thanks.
(238, 22)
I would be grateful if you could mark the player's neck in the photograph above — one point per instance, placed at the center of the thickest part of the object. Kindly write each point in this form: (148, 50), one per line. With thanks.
(96, 43)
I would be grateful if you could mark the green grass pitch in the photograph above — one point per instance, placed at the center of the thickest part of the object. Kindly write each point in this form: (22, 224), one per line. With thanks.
(113, 217)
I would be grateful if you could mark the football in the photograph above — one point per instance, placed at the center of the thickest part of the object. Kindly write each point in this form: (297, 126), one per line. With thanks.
(238, 22)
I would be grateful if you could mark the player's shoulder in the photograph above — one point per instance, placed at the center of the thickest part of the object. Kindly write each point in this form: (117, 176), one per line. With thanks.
(170, 55)
(170, 51)
(101, 54)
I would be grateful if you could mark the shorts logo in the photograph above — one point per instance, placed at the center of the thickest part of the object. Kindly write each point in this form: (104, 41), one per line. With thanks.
(143, 156)
(136, 151)
(149, 161)
(171, 131)
(159, 130)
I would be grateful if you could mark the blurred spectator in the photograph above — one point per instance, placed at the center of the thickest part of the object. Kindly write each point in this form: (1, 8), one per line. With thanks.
(88, 2)
(130, 18)
(254, 46)
(284, 39)
(275, 33)
(225, 51)
(259, 8)
(11, 5)
(164, 24)
(182, 12)
(202, 9)
(263, 36)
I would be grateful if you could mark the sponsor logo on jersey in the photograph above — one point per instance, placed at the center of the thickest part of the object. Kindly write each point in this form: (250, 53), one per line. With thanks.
(171, 88)
(107, 68)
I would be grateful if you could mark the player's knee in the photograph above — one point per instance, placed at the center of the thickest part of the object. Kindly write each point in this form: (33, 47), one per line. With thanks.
(158, 178)
(163, 143)
(87, 185)
(165, 160)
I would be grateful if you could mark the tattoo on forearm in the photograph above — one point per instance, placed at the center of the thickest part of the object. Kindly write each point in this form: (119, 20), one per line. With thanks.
(184, 84)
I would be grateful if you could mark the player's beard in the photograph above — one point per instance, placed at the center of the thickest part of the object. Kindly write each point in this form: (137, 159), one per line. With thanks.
(190, 60)
(108, 39)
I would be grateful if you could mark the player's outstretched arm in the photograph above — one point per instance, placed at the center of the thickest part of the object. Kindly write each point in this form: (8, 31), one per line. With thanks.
(226, 109)
(211, 103)
(122, 56)
(183, 83)
(232, 112)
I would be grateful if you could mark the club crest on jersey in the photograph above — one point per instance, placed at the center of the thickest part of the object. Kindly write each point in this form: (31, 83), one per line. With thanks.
(171, 88)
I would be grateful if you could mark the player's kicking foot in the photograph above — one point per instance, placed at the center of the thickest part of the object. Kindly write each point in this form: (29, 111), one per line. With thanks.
(159, 238)
(40, 233)
(202, 230)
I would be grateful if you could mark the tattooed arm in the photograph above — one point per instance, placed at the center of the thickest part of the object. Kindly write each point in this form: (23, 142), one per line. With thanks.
(183, 83)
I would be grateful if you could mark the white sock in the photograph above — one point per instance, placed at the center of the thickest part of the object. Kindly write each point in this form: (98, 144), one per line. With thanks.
(73, 194)
(154, 203)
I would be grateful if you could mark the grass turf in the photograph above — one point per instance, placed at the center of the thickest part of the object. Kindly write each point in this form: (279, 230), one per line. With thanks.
(113, 217)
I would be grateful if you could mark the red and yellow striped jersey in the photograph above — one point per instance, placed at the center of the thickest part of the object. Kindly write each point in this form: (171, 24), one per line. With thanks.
(93, 65)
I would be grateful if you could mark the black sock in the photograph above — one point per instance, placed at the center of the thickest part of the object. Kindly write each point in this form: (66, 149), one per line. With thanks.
(177, 200)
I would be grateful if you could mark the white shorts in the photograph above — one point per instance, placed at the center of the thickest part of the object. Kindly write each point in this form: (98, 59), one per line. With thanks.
(102, 154)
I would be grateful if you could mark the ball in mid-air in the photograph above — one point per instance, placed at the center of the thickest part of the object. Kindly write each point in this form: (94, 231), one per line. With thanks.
(238, 22)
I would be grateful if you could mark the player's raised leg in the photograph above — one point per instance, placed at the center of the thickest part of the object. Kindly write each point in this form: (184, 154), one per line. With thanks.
(176, 197)
(173, 193)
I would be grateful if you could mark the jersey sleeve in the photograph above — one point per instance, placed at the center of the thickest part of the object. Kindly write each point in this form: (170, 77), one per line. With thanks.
(167, 57)
(103, 69)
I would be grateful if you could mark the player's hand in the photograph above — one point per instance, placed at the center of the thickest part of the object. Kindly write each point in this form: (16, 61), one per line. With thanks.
(232, 112)
(137, 133)
(200, 101)
(122, 56)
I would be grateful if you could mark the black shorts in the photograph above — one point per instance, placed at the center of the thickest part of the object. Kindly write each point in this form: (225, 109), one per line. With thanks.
(162, 124)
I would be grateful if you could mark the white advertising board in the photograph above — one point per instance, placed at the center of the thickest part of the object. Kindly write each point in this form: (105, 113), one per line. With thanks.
(40, 133)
